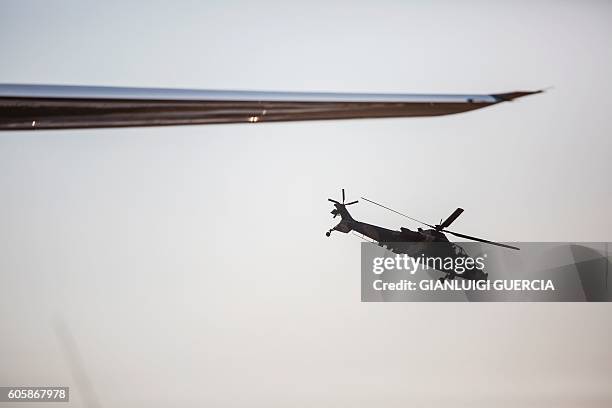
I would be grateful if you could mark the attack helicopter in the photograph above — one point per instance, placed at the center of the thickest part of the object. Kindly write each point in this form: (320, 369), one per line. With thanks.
(432, 241)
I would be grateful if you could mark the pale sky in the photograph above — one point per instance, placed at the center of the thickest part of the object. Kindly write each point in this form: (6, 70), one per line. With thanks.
(190, 263)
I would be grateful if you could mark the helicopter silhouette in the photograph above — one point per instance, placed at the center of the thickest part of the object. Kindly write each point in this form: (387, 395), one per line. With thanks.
(408, 241)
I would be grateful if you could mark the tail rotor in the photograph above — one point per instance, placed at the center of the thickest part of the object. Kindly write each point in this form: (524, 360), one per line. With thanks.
(343, 200)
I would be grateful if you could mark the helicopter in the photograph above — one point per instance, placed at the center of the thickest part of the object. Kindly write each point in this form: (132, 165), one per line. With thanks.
(408, 241)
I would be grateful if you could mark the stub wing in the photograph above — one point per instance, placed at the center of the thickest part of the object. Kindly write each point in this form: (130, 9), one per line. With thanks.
(27, 107)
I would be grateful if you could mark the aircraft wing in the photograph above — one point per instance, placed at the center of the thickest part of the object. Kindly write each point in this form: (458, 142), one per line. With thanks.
(27, 107)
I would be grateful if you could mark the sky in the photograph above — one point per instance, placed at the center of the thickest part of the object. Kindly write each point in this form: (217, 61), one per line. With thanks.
(189, 264)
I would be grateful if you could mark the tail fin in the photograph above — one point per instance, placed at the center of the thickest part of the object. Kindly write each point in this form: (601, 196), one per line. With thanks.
(346, 220)
(340, 210)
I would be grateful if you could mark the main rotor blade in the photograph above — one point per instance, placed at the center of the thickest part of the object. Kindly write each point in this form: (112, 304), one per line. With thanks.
(80, 375)
(352, 202)
(480, 240)
(333, 201)
(451, 218)
(397, 212)
(32, 107)
(343, 198)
